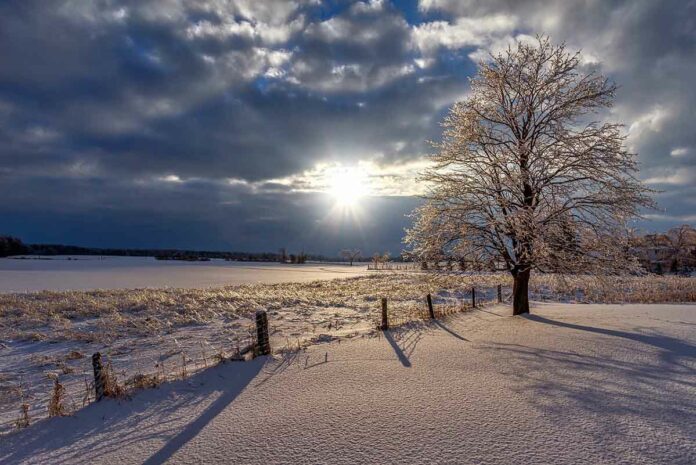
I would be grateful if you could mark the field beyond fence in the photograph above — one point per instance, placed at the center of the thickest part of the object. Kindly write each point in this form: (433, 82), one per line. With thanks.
(150, 336)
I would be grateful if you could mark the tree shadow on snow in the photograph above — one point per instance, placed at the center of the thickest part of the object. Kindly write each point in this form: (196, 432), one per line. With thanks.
(82, 438)
(672, 349)
(630, 378)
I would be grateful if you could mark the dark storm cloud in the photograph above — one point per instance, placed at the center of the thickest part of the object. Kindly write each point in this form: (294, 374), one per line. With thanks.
(649, 49)
(195, 214)
(140, 92)
(135, 115)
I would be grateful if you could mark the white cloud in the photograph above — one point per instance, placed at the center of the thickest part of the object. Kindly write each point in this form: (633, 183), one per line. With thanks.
(427, 5)
(679, 177)
(672, 218)
(497, 46)
(680, 152)
(347, 77)
(381, 180)
(464, 32)
(263, 32)
(41, 135)
(170, 178)
(652, 120)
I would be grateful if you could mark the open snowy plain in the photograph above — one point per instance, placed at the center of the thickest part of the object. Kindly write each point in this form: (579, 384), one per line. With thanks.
(63, 273)
(571, 383)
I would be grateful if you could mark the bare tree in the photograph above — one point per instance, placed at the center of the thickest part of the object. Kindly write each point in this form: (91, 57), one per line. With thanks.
(683, 244)
(351, 255)
(524, 179)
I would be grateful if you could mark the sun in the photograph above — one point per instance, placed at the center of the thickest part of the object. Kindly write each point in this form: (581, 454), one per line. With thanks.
(347, 185)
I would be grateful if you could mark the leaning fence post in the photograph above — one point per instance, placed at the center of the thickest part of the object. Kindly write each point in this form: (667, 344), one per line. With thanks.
(473, 297)
(430, 306)
(262, 340)
(385, 320)
(98, 377)
(500, 293)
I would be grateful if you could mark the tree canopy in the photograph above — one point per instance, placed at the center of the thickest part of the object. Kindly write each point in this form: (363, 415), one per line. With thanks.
(524, 178)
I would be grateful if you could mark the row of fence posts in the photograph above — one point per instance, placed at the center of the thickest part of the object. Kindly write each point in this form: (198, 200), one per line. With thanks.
(431, 311)
(261, 347)
(263, 342)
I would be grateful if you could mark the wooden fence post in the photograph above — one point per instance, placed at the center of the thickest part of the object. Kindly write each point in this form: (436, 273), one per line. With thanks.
(385, 319)
(500, 293)
(263, 342)
(98, 376)
(473, 297)
(430, 306)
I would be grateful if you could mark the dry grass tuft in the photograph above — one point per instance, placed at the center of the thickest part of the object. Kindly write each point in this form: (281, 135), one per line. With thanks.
(218, 358)
(23, 420)
(56, 406)
(184, 372)
(134, 319)
(74, 355)
(105, 316)
(143, 381)
(614, 289)
(112, 388)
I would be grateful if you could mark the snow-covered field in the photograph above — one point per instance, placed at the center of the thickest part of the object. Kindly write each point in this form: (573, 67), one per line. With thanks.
(91, 272)
(166, 332)
(568, 384)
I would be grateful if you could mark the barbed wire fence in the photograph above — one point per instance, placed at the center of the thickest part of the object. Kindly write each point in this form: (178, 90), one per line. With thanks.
(77, 380)
(69, 383)
(393, 266)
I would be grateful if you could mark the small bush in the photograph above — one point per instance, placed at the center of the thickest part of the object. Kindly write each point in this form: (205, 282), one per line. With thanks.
(56, 406)
(143, 381)
(112, 388)
(23, 420)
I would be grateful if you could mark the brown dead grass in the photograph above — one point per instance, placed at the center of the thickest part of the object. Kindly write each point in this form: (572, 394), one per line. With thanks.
(106, 315)
(57, 405)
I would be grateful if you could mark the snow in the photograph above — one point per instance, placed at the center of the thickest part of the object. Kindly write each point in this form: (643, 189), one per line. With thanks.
(151, 331)
(568, 384)
(88, 272)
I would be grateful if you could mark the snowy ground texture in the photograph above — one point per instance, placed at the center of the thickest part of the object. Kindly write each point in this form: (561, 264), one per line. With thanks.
(92, 272)
(172, 333)
(166, 332)
(567, 384)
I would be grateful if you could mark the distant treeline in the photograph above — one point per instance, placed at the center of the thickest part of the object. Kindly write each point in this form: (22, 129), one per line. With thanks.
(14, 246)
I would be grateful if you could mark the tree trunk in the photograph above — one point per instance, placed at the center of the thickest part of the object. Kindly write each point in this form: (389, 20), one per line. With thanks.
(520, 293)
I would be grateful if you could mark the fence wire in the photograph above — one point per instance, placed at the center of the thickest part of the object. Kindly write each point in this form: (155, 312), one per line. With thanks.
(28, 387)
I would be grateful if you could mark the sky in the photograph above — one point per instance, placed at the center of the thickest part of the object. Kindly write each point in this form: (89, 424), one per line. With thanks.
(254, 125)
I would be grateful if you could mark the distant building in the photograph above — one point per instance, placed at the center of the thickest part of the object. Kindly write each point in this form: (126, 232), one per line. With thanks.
(671, 252)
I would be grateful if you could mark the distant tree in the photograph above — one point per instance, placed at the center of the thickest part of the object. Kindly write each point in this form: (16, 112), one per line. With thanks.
(301, 258)
(12, 246)
(683, 245)
(524, 180)
(351, 255)
(677, 247)
(282, 255)
(462, 264)
(674, 266)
